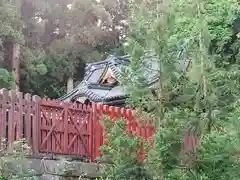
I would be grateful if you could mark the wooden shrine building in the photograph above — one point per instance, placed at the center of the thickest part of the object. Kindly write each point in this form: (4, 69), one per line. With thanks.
(101, 82)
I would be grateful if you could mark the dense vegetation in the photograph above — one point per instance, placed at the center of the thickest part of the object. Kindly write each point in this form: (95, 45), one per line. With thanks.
(202, 102)
(56, 39)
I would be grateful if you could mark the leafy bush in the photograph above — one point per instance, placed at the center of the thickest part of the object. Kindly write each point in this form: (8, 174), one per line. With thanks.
(122, 153)
(6, 79)
(13, 163)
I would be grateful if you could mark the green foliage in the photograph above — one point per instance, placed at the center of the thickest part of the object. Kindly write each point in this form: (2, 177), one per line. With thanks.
(10, 31)
(6, 79)
(122, 153)
(13, 162)
(59, 46)
(10, 21)
(216, 158)
(199, 102)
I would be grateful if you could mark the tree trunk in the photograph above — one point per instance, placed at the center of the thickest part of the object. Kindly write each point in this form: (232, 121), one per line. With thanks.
(69, 84)
(16, 64)
(12, 60)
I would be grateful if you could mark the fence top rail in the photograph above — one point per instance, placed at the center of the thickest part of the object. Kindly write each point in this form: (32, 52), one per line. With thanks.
(9, 95)
(61, 104)
(114, 109)
(128, 114)
(8, 98)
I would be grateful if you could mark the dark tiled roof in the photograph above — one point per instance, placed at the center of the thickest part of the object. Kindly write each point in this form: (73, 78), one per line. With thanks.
(94, 73)
(96, 94)
(91, 89)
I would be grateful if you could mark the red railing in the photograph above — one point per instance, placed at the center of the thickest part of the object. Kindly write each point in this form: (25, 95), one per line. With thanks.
(51, 126)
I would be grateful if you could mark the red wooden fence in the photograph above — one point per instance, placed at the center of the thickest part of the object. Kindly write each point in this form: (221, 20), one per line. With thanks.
(115, 113)
(51, 126)
(18, 117)
(64, 128)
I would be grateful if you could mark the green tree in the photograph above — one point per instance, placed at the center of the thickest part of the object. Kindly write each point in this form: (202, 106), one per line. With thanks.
(61, 36)
(197, 103)
(10, 37)
(6, 79)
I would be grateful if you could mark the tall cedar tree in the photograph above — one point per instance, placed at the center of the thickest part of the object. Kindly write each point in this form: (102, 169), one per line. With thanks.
(202, 102)
(61, 36)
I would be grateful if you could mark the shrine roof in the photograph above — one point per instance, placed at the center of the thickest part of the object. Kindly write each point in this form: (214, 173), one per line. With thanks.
(91, 88)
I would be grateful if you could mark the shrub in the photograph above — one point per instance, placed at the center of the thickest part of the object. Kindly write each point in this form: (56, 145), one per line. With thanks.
(6, 79)
(13, 162)
(122, 153)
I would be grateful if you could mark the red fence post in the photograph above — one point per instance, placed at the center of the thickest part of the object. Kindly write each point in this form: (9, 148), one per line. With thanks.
(27, 119)
(36, 124)
(19, 116)
(65, 124)
(190, 143)
(11, 130)
(106, 111)
(127, 113)
(91, 136)
(1, 128)
(4, 114)
(1, 119)
(98, 130)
